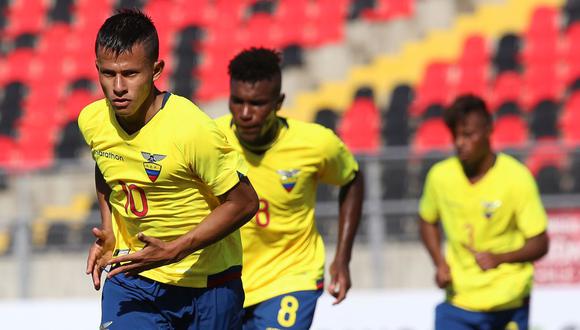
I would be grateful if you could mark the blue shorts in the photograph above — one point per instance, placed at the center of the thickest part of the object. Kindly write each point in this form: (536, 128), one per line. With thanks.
(293, 310)
(140, 303)
(448, 317)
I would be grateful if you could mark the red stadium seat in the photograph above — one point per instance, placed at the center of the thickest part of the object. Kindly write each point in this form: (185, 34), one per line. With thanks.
(475, 52)
(506, 88)
(290, 20)
(389, 9)
(18, 65)
(509, 132)
(432, 135)
(181, 12)
(434, 88)
(35, 145)
(544, 23)
(257, 31)
(571, 53)
(541, 83)
(545, 152)
(472, 80)
(360, 127)
(328, 22)
(25, 16)
(541, 52)
(74, 103)
(8, 147)
(401, 7)
(570, 120)
(472, 68)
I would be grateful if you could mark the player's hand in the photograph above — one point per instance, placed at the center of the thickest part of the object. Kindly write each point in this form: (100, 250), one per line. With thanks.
(156, 253)
(485, 260)
(339, 280)
(99, 255)
(443, 275)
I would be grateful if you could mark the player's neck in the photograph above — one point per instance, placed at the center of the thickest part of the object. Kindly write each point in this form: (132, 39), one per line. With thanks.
(148, 109)
(477, 170)
(266, 141)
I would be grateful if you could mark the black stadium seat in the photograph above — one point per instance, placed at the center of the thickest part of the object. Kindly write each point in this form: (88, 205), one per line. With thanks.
(395, 119)
(292, 56)
(508, 108)
(358, 6)
(549, 180)
(507, 54)
(327, 118)
(70, 144)
(61, 11)
(11, 107)
(544, 122)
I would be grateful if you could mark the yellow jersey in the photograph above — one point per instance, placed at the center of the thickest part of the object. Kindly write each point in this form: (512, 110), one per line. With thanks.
(496, 214)
(164, 180)
(283, 250)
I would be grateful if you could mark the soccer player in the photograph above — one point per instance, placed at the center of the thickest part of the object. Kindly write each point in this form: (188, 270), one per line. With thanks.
(494, 223)
(171, 192)
(283, 251)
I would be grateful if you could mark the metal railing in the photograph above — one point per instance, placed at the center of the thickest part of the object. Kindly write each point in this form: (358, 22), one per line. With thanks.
(388, 216)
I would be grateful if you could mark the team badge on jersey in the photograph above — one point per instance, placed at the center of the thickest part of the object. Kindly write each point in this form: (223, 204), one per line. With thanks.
(489, 208)
(151, 167)
(288, 178)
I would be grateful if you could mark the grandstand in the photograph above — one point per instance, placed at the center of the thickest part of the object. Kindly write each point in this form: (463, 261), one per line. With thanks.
(378, 72)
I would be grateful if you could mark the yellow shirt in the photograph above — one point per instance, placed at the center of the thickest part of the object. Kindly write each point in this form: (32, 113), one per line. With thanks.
(164, 180)
(496, 214)
(283, 251)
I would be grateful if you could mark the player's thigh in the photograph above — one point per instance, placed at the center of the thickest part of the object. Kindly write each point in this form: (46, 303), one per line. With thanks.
(128, 304)
(220, 308)
(516, 319)
(449, 317)
(288, 311)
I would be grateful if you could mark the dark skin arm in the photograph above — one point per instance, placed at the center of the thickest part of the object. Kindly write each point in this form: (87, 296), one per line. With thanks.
(535, 248)
(237, 207)
(350, 208)
(102, 250)
(431, 237)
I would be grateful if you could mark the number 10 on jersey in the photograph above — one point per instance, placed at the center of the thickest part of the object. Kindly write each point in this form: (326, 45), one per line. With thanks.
(131, 191)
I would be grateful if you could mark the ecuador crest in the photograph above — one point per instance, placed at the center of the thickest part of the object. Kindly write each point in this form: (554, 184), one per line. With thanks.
(288, 178)
(151, 167)
(489, 208)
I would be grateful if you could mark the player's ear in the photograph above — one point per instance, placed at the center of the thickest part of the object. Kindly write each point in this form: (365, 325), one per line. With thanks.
(489, 129)
(157, 69)
(280, 101)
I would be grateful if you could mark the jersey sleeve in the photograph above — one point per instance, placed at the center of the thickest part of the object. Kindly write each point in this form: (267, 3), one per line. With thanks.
(428, 208)
(213, 160)
(531, 216)
(84, 124)
(339, 166)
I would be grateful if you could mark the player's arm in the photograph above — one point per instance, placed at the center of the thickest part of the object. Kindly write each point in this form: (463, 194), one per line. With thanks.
(534, 248)
(531, 220)
(350, 207)
(431, 237)
(101, 251)
(238, 206)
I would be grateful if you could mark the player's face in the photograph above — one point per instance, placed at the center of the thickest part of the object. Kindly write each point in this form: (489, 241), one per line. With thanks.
(127, 79)
(253, 106)
(471, 138)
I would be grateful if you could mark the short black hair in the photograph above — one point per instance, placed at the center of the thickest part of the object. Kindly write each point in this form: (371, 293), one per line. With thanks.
(256, 64)
(126, 28)
(463, 106)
